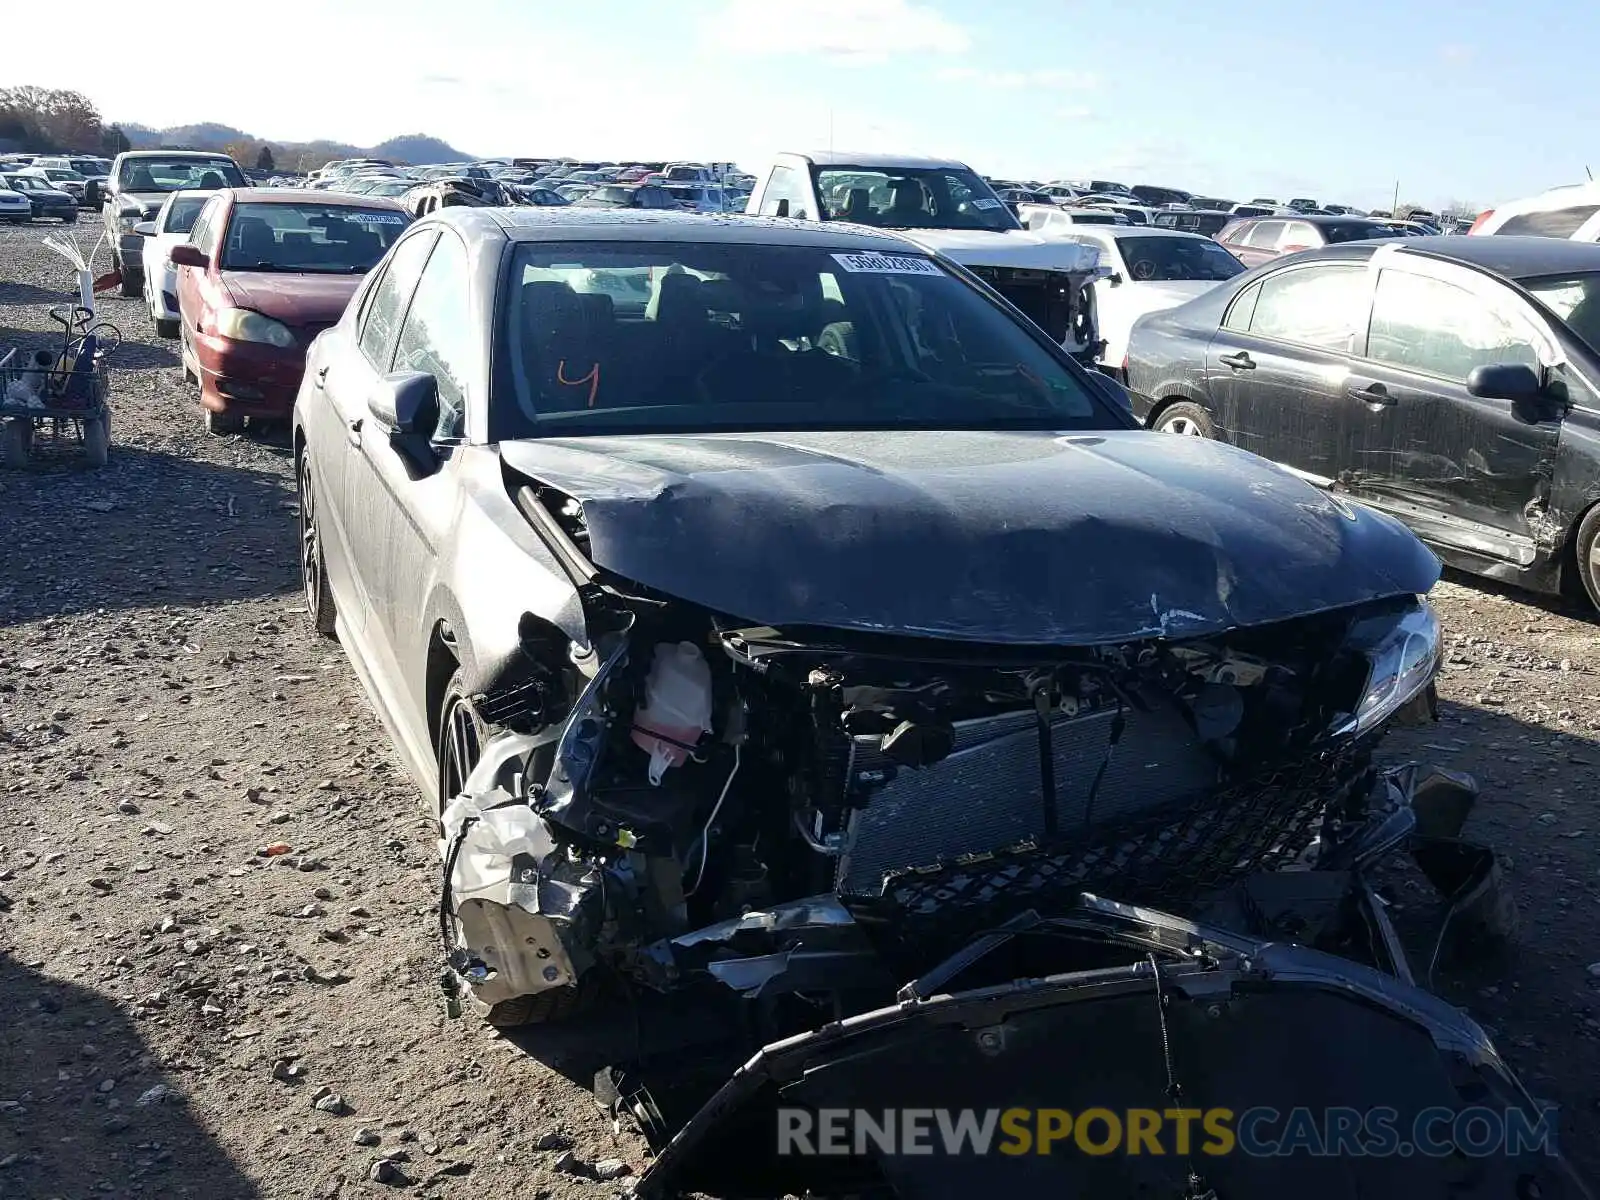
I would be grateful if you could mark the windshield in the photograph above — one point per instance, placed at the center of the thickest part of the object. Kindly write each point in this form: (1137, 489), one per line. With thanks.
(1575, 299)
(178, 174)
(316, 238)
(24, 183)
(1162, 258)
(59, 173)
(911, 198)
(685, 337)
(181, 213)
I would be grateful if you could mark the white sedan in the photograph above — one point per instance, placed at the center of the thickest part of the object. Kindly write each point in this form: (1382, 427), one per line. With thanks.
(171, 226)
(1152, 269)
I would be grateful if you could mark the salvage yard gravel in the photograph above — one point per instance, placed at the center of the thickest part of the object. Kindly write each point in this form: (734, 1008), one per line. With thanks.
(219, 946)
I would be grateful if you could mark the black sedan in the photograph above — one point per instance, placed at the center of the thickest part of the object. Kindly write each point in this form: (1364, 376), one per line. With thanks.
(1451, 382)
(697, 566)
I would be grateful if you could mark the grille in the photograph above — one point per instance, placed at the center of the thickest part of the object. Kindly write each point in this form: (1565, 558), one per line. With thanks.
(987, 794)
(1168, 859)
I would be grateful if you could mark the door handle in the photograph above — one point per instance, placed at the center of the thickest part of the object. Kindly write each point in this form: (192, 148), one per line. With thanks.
(1372, 393)
(1240, 361)
(354, 432)
(320, 379)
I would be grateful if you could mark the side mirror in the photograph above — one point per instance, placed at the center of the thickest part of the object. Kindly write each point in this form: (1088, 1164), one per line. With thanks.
(406, 402)
(145, 229)
(187, 254)
(1516, 382)
(1504, 381)
(1114, 279)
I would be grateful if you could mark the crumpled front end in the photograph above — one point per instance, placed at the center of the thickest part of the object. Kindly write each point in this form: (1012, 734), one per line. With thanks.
(804, 811)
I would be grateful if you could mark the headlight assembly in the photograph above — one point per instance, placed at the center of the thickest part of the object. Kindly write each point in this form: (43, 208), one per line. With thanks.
(1403, 657)
(246, 325)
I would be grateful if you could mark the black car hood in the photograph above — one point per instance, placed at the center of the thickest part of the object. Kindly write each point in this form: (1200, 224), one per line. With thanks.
(1248, 1025)
(1008, 537)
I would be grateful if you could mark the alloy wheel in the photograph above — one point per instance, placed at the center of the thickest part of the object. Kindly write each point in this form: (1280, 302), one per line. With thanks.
(1183, 426)
(460, 745)
(310, 544)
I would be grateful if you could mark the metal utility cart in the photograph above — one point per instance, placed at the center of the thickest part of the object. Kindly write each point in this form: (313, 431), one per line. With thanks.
(63, 393)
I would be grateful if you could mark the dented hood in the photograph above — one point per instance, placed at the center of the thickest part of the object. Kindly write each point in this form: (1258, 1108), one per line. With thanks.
(1009, 248)
(295, 298)
(1014, 537)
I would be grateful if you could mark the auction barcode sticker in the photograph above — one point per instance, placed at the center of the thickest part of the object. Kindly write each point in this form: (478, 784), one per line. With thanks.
(886, 264)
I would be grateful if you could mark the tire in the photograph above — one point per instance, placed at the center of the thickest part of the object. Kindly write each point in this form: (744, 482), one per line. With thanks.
(1586, 546)
(97, 440)
(166, 328)
(221, 424)
(320, 608)
(542, 1008)
(16, 439)
(128, 287)
(72, 220)
(1185, 418)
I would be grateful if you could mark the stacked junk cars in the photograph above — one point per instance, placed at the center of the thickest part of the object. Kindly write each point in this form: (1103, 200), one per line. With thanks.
(902, 830)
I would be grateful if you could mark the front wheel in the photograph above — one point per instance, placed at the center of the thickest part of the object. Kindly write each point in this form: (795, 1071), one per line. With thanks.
(459, 744)
(1586, 545)
(128, 287)
(221, 423)
(165, 328)
(1186, 419)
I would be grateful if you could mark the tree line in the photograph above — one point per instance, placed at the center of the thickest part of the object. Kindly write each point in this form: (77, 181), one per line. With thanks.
(45, 119)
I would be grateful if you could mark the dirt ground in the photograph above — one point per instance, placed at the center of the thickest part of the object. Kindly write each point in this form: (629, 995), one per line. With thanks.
(172, 1002)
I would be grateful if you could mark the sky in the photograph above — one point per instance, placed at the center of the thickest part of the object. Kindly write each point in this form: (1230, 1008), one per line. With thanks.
(1451, 101)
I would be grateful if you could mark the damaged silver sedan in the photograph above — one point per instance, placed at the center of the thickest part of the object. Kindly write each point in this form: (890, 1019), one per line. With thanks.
(772, 606)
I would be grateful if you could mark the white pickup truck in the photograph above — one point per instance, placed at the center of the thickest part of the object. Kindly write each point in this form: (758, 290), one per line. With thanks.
(946, 207)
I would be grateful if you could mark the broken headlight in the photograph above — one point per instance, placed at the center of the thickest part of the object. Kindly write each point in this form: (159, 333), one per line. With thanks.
(1402, 655)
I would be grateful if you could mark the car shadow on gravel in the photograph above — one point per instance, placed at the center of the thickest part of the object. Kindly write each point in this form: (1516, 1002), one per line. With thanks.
(85, 1107)
(146, 530)
(1539, 1000)
(1575, 607)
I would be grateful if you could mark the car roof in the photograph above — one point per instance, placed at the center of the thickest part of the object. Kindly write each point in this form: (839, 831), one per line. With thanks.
(1149, 231)
(213, 155)
(846, 158)
(311, 195)
(1509, 255)
(663, 225)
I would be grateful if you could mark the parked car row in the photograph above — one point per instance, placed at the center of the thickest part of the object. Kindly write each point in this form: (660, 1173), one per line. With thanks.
(80, 176)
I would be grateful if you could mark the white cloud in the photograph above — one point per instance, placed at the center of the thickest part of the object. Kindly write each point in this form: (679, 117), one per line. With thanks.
(848, 32)
(1045, 80)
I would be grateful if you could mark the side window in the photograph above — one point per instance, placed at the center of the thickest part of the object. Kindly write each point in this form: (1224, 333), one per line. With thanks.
(203, 235)
(1234, 231)
(1559, 223)
(1264, 234)
(1319, 306)
(437, 335)
(387, 304)
(785, 185)
(1428, 325)
(1242, 309)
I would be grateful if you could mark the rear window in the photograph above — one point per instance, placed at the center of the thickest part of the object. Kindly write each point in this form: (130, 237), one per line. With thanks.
(1354, 231)
(1556, 223)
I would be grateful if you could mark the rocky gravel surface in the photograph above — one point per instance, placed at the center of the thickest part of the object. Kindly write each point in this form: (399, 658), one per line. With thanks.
(185, 1012)
(218, 946)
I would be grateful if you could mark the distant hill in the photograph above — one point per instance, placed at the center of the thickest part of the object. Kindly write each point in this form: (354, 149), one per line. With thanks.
(291, 156)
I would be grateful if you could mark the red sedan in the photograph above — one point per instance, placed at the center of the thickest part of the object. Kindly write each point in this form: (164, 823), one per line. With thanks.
(264, 271)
